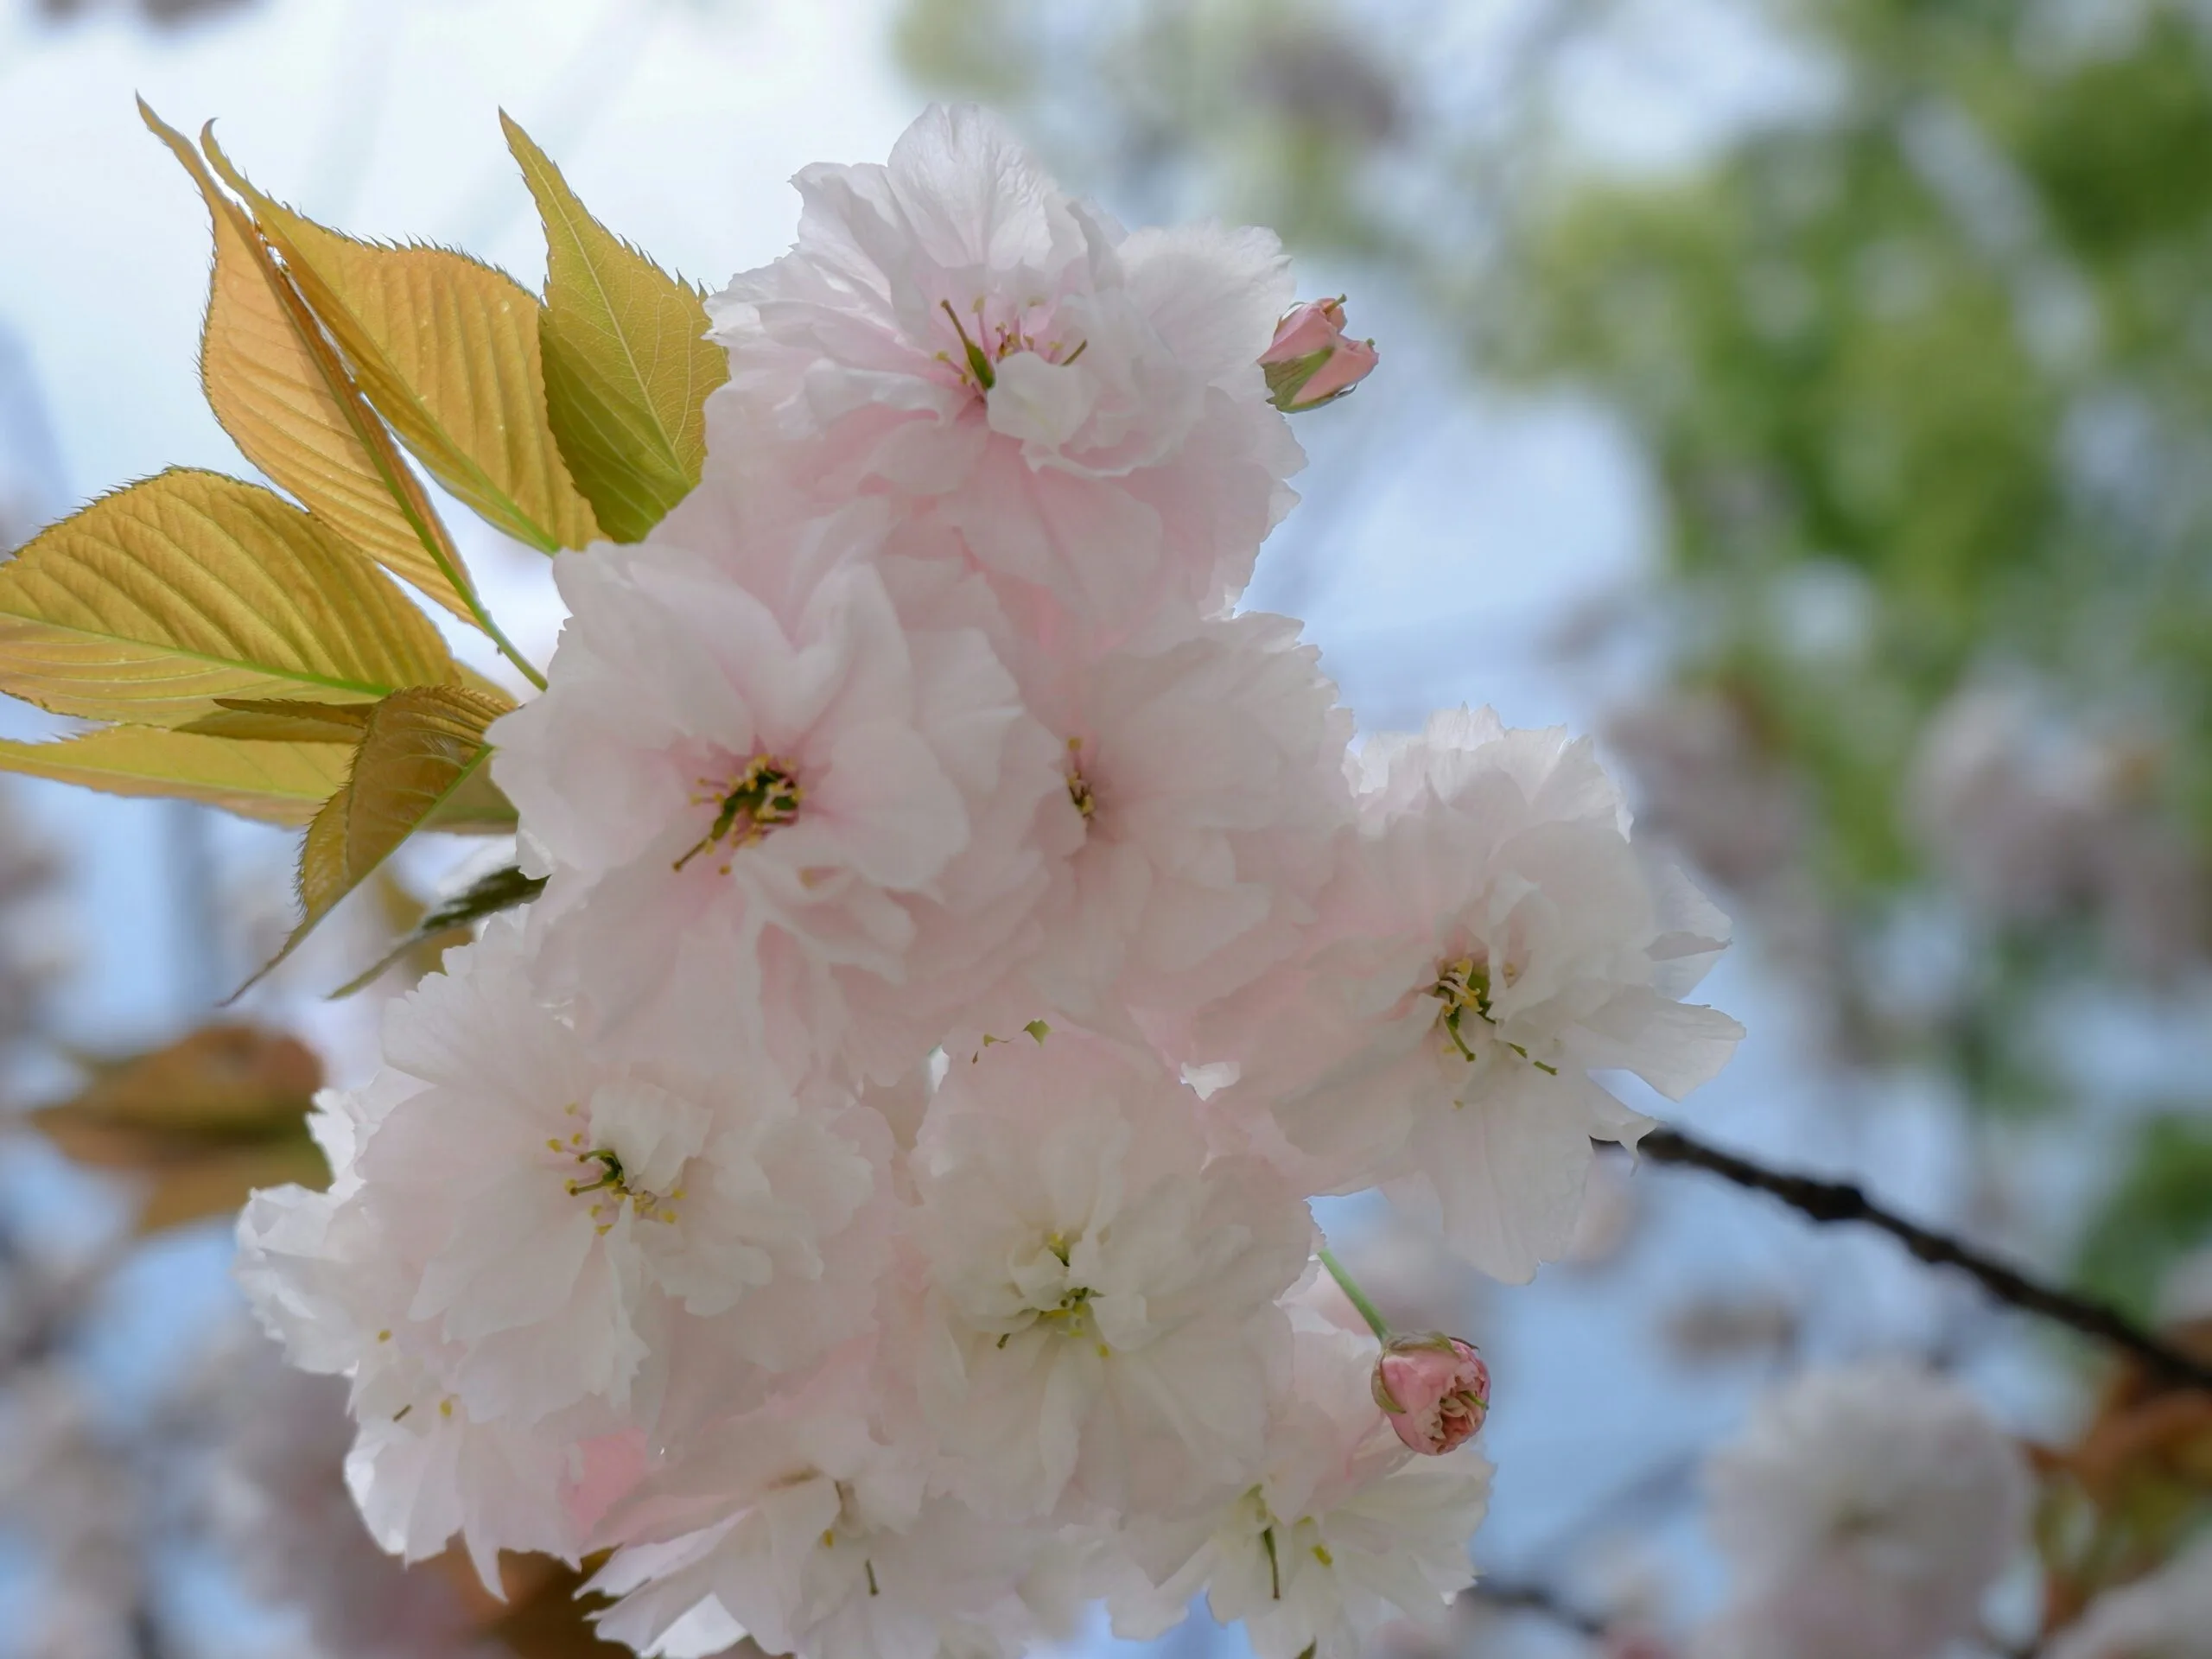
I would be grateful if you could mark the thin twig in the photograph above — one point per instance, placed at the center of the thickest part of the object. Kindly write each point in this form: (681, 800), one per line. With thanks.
(1842, 1201)
(1511, 1596)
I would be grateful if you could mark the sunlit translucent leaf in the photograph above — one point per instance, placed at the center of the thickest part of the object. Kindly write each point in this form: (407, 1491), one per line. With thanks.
(283, 720)
(276, 783)
(446, 350)
(448, 922)
(279, 389)
(159, 598)
(418, 754)
(627, 364)
(205, 1120)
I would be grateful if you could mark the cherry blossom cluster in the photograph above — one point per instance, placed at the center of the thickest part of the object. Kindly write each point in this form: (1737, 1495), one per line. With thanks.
(867, 1190)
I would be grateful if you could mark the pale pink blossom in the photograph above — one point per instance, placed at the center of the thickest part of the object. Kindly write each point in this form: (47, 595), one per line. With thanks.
(1100, 1321)
(1205, 791)
(778, 812)
(1435, 1391)
(1490, 939)
(820, 1537)
(1344, 1532)
(556, 1207)
(1083, 406)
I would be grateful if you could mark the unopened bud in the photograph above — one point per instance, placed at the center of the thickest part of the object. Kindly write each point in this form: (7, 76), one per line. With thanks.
(1435, 1389)
(1310, 362)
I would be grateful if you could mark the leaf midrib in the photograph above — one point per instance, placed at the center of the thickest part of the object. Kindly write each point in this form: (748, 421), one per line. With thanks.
(672, 451)
(300, 677)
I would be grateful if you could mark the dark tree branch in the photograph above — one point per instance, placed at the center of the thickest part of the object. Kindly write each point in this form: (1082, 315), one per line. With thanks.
(1509, 1596)
(1842, 1201)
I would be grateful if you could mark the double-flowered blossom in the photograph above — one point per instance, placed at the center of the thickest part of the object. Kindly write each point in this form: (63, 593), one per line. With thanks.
(825, 1538)
(1082, 405)
(535, 1232)
(866, 1191)
(1344, 1530)
(1866, 1512)
(1492, 938)
(1102, 1321)
(759, 800)
(1206, 790)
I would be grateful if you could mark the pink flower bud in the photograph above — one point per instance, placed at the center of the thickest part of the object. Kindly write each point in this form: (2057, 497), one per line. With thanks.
(1436, 1391)
(1310, 362)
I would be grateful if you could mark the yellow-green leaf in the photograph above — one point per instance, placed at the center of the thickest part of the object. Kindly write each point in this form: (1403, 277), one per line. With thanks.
(477, 807)
(222, 1082)
(279, 389)
(283, 720)
(204, 1121)
(446, 350)
(162, 597)
(627, 363)
(419, 752)
(276, 783)
(449, 923)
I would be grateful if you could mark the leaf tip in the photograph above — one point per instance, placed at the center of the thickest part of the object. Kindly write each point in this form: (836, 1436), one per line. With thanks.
(222, 163)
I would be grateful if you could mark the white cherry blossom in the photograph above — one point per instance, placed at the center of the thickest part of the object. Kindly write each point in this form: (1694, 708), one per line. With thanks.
(754, 799)
(1343, 1531)
(1205, 786)
(1490, 939)
(827, 1541)
(1101, 1320)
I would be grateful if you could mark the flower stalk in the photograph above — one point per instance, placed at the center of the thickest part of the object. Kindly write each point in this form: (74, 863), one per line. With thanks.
(1356, 1296)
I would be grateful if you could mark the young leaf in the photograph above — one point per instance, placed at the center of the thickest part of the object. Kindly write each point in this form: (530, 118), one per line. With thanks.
(418, 753)
(283, 720)
(276, 783)
(156, 599)
(488, 895)
(221, 1081)
(279, 389)
(627, 363)
(205, 1119)
(219, 1181)
(446, 350)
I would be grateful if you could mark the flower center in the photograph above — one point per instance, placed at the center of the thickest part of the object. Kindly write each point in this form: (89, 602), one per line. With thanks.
(979, 359)
(763, 796)
(1086, 804)
(603, 1172)
(1071, 1315)
(1463, 987)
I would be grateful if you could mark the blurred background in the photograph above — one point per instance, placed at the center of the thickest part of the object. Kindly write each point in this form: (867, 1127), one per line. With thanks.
(1809, 397)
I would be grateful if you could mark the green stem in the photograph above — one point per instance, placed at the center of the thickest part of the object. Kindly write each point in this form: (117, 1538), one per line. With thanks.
(506, 647)
(1368, 1311)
